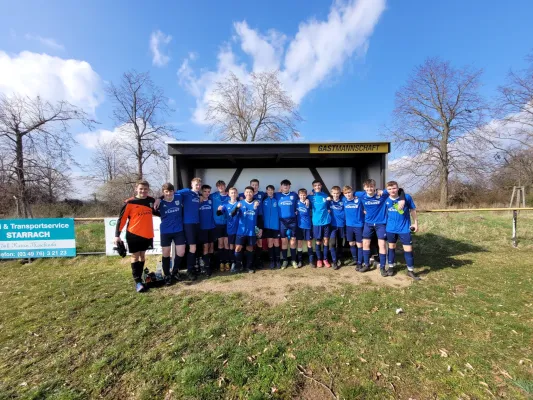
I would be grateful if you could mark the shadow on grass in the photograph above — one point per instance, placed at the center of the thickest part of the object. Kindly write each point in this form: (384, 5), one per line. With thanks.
(439, 252)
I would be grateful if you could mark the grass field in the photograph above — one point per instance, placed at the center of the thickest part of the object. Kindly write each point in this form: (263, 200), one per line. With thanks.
(75, 328)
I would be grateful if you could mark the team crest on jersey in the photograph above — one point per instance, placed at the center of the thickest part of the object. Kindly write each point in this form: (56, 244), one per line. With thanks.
(274, 204)
(292, 197)
(356, 201)
(210, 202)
(177, 202)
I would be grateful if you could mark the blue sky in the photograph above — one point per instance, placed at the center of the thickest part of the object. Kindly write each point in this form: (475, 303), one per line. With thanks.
(345, 89)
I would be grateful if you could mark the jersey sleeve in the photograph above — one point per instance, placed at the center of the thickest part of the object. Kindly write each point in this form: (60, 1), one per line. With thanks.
(360, 194)
(410, 202)
(122, 219)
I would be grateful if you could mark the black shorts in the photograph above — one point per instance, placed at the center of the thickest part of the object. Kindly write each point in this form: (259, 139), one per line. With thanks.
(138, 243)
(304, 234)
(177, 237)
(206, 236)
(221, 231)
(232, 237)
(270, 234)
(191, 233)
(246, 241)
(287, 224)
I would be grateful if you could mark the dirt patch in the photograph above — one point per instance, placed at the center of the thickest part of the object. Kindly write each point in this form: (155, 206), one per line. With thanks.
(277, 286)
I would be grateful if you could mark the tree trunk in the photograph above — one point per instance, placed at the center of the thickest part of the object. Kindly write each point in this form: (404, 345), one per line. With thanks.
(444, 188)
(445, 168)
(21, 180)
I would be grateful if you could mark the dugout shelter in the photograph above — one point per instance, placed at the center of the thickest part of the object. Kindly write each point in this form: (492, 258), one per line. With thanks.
(333, 163)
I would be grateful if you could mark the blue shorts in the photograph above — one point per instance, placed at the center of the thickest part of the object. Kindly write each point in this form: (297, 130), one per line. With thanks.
(379, 229)
(304, 234)
(270, 234)
(191, 233)
(405, 238)
(336, 232)
(246, 240)
(206, 236)
(321, 231)
(354, 234)
(221, 231)
(286, 224)
(231, 238)
(177, 237)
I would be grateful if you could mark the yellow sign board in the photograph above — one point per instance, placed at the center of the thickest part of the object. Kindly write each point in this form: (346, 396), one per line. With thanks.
(344, 148)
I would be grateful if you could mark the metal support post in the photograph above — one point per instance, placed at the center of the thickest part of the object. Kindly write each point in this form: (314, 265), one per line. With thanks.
(515, 238)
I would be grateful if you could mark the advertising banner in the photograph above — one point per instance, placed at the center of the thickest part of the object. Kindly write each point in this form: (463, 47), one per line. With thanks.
(110, 226)
(37, 238)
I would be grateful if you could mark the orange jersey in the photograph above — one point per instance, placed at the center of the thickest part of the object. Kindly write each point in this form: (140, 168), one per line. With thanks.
(139, 214)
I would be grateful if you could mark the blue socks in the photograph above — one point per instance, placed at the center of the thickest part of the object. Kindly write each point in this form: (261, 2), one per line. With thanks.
(382, 260)
(392, 256)
(293, 254)
(409, 260)
(249, 259)
(276, 253)
(238, 259)
(284, 254)
(353, 250)
(325, 252)
(318, 252)
(333, 252)
(366, 257)
(360, 255)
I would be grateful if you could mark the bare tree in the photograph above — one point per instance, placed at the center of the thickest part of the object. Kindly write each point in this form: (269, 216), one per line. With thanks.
(251, 112)
(437, 118)
(514, 108)
(30, 127)
(139, 108)
(109, 162)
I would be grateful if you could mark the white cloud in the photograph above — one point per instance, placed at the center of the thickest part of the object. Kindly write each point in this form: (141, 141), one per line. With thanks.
(52, 78)
(48, 42)
(319, 49)
(158, 40)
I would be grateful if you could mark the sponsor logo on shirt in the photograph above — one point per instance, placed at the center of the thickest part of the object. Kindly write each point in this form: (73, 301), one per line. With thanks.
(285, 203)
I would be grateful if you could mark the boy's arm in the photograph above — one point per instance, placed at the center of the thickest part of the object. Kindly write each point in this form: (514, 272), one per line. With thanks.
(415, 219)
(359, 194)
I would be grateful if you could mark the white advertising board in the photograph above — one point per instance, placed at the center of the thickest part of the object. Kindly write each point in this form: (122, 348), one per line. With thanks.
(110, 226)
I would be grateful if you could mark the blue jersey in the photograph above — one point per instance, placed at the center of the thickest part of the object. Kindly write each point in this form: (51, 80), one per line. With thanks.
(206, 215)
(247, 218)
(271, 213)
(191, 206)
(287, 204)
(304, 216)
(232, 221)
(319, 209)
(219, 199)
(257, 196)
(171, 215)
(396, 222)
(376, 210)
(354, 212)
(338, 218)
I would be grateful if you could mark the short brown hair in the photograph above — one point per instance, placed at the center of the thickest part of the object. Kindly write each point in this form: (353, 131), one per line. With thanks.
(392, 183)
(347, 188)
(142, 183)
(199, 180)
(233, 188)
(167, 186)
(369, 182)
(302, 191)
(335, 188)
(220, 182)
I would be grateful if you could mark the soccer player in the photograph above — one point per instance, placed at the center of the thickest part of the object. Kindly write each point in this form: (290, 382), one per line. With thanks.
(171, 228)
(137, 212)
(191, 222)
(258, 195)
(338, 221)
(375, 221)
(287, 202)
(355, 220)
(249, 219)
(271, 233)
(206, 235)
(232, 224)
(399, 226)
(304, 228)
(321, 219)
(221, 235)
